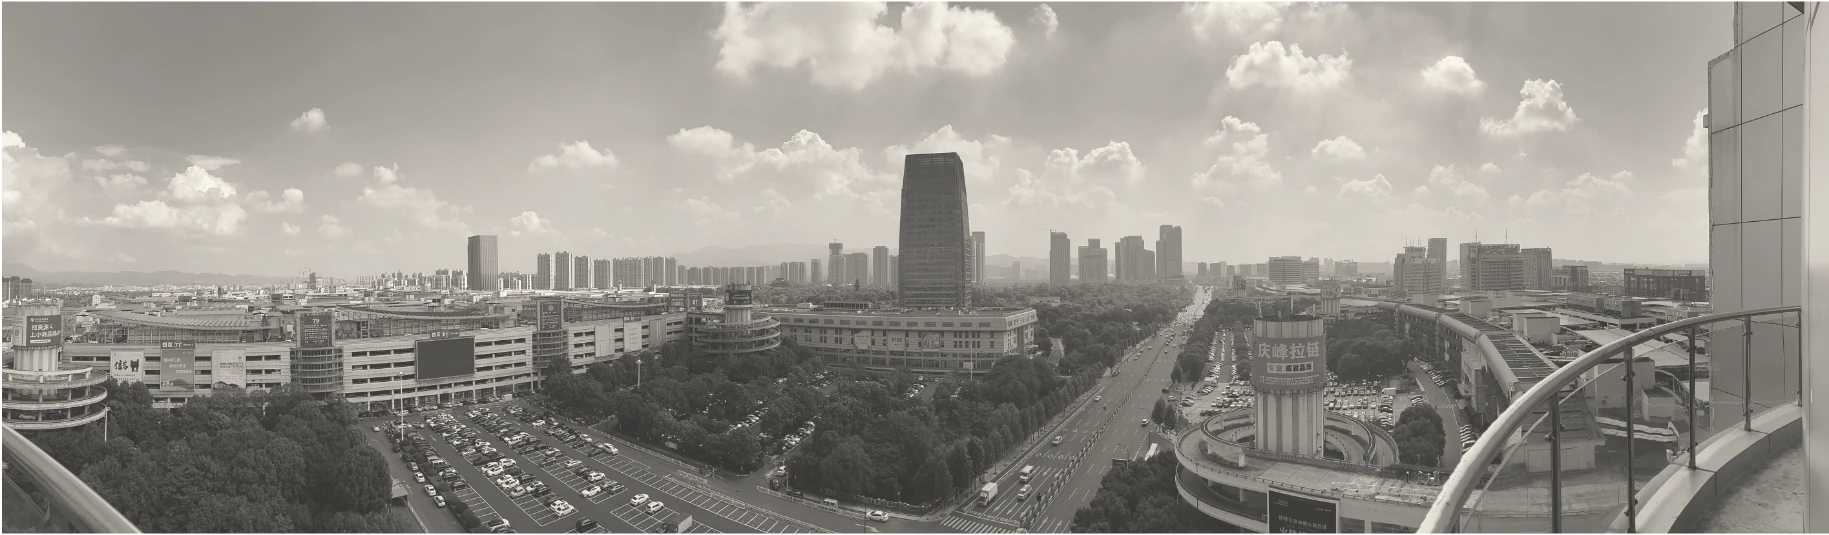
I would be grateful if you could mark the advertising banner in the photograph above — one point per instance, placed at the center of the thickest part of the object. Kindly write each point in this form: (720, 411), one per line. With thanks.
(124, 366)
(551, 314)
(231, 368)
(43, 331)
(1295, 513)
(314, 329)
(1291, 355)
(739, 297)
(177, 365)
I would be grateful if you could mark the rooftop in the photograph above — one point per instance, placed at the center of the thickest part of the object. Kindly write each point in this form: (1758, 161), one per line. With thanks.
(996, 312)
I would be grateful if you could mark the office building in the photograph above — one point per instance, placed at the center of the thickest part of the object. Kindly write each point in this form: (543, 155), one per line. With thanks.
(817, 275)
(1468, 250)
(978, 257)
(1060, 259)
(1573, 278)
(1092, 262)
(929, 342)
(1414, 272)
(1494, 267)
(1289, 270)
(1016, 271)
(1678, 284)
(543, 271)
(857, 269)
(1168, 252)
(935, 238)
(484, 264)
(1347, 269)
(835, 262)
(1538, 272)
(1132, 262)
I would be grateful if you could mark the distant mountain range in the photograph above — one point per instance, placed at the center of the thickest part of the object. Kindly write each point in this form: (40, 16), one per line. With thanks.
(133, 278)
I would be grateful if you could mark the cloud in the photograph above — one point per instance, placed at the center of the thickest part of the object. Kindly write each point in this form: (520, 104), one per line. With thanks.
(291, 200)
(844, 47)
(348, 169)
(980, 162)
(1213, 201)
(1453, 74)
(1244, 161)
(1695, 149)
(421, 206)
(1452, 180)
(1044, 16)
(312, 121)
(773, 201)
(121, 184)
(1542, 110)
(32, 184)
(331, 229)
(110, 150)
(1340, 148)
(1375, 188)
(197, 184)
(703, 212)
(1247, 21)
(576, 155)
(530, 223)
(805, 159)
(1490, 167)
(213, 219)
(387, 175)
(1275, 66)
(1113, 163)
(289, 228)
(1032, 191)
(100, 165)
(1420, 191)
(211, 163)
(1579, 194)
(122, 258)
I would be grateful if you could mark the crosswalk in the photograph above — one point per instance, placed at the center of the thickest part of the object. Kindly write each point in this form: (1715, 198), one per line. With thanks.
(1468, 436)
(960, 523)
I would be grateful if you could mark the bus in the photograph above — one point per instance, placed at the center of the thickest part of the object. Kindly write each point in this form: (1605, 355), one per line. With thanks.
(1152, 451)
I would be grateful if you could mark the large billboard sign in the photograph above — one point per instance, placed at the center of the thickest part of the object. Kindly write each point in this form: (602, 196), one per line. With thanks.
(126, 366)
(231, 368)
(314, 329)
(43, 331)
(177, 365)
(1291, 354)
(1296, 513)
(551, 314)
(739, 297)
(445, 357)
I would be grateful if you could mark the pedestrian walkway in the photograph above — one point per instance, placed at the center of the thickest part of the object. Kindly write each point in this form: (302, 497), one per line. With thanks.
(960, 523)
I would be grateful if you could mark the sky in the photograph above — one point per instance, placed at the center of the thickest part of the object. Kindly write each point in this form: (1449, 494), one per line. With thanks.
(352, 139)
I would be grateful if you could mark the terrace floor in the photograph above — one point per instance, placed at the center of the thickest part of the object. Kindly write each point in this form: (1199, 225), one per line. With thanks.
(1768, 500)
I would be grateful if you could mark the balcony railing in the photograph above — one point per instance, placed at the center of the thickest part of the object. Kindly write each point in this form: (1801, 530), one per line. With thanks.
(1591, 483)
(61, 502)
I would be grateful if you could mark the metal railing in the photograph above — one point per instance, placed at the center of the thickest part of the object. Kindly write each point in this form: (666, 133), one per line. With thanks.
(1572, 391)
(69, 504)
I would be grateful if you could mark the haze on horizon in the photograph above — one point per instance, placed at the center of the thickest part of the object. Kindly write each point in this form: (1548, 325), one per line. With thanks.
(360, 138)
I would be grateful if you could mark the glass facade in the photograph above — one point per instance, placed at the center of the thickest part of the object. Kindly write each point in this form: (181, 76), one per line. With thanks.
(936, 249)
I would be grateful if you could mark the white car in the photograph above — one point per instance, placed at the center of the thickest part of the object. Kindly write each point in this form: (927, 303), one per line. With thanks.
(590, 491)
(419, 477)
(377, 429)
(431, 491)
(637, 500)
(655, 506)
(878, 516)
(492, 470)
(595, 476)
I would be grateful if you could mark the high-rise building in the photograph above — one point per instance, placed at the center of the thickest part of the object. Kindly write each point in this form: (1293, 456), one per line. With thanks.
(1287, 270)
(483, 272)
(1495, 267)
(1168, 252)
(857, 268)
(1538, 273)
(978, 257)
(1415, 272)
(879, 265)
(1128, 262)
(1060, 259)
(562, 270)
(1016, 271)
(835, 262)
(543, 271)
(672, 270)
(1574, 278)
(818, 275)
(1092, 262)
(1346, 269)
(797, 273)
(1468, 250)
(581, 272)
(936, 246)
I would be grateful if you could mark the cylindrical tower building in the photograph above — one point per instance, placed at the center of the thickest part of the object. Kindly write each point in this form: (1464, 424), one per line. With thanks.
(1289, 373)
(41, 393)
(740, 331)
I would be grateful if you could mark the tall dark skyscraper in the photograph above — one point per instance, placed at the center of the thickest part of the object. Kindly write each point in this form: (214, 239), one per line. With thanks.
(936, 234)
(483, 272)
(1168, 252)
(562, 271)
(1060, 259)
(543, 272)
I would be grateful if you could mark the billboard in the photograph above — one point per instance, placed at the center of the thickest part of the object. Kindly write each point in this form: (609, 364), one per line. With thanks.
(1295, 513)
(1290, 354)
(42, 331)
(315, 328)
(231, 368)
(125, 366)
(177, 365)
(551, 314)
(739, 297)
(445, 357)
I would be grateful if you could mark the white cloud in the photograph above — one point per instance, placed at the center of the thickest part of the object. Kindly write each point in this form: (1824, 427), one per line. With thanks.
(29, 192)
(1244, 161)
(705, 213)
(1695, 149)
(979, 157)
(1213, 202)
(289, 228)
(313, 120)
(215, 219)
(1579, 195)
(1375, 188)
(1276, 66)
(121, 184)
(110, 150)
(211, 163)
(576, 155)
(1247, 21)
(845, 48)
(330, 228)
(1311, 190)
(122, 258)
(1453, 73)
(387, 175)
(530, 223)
(349, 169)
(1032, 191)
(773, 201)
(1490, 167)
(1422, 191)
(197, 184)
(1452, 180)
(1113, 163)
(1044, 16)
(1541, 110)
(1340, 148)
(419, 205)
(804, 159)
(291, 200)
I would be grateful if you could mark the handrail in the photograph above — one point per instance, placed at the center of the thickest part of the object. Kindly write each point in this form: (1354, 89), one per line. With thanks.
(69, 496)
(1443, 515)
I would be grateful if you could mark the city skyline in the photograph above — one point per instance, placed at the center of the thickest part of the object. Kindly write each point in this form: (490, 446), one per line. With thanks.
(714, 136)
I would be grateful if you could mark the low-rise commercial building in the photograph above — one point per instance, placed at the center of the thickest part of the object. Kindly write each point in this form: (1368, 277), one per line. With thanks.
(931, 342)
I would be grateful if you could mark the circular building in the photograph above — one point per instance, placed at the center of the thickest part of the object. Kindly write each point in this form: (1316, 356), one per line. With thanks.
(739, 331)
(40, 392)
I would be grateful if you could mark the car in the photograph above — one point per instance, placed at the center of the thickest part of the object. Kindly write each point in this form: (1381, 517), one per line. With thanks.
(507, 482)
(1058, 439)
(572, 463)
(1144, 422)
(585, 524)
(590, 491)
(561, 507)
(438, 500)
(419, 477)
(431, 491)
(878, 516)
(459, 485)
(594, 476)
(377, 429)
(412, 466)
(655, 507)
(1096, 399)
(774, 483)
(539, 423)
(527, 477)
(540, 490)
(517, 492)
(780, 471)
(614, 488)
(637, 500)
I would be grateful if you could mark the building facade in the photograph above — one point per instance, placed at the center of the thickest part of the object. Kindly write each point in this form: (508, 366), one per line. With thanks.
(1678, 284)
(1539, 274)
(543, 271)
(484, 264)
(1092, 262)
(1494, 267)
(1060, 259)
(978, 256)
(930, 342)
(562, 271)
(1287, 270)
(879, 265)
(936, 245)
(1168, 252)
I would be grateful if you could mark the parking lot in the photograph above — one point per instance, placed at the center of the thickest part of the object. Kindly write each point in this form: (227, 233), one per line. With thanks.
(562, 468)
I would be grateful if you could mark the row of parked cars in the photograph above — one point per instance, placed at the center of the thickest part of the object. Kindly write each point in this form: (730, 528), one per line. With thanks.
(1441, 377)
(517, 483)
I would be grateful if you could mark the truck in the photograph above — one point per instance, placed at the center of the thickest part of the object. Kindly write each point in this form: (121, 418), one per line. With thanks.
(986, 494)
(675, 522)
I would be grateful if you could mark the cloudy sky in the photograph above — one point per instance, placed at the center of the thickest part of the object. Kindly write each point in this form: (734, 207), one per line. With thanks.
(359, 138)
